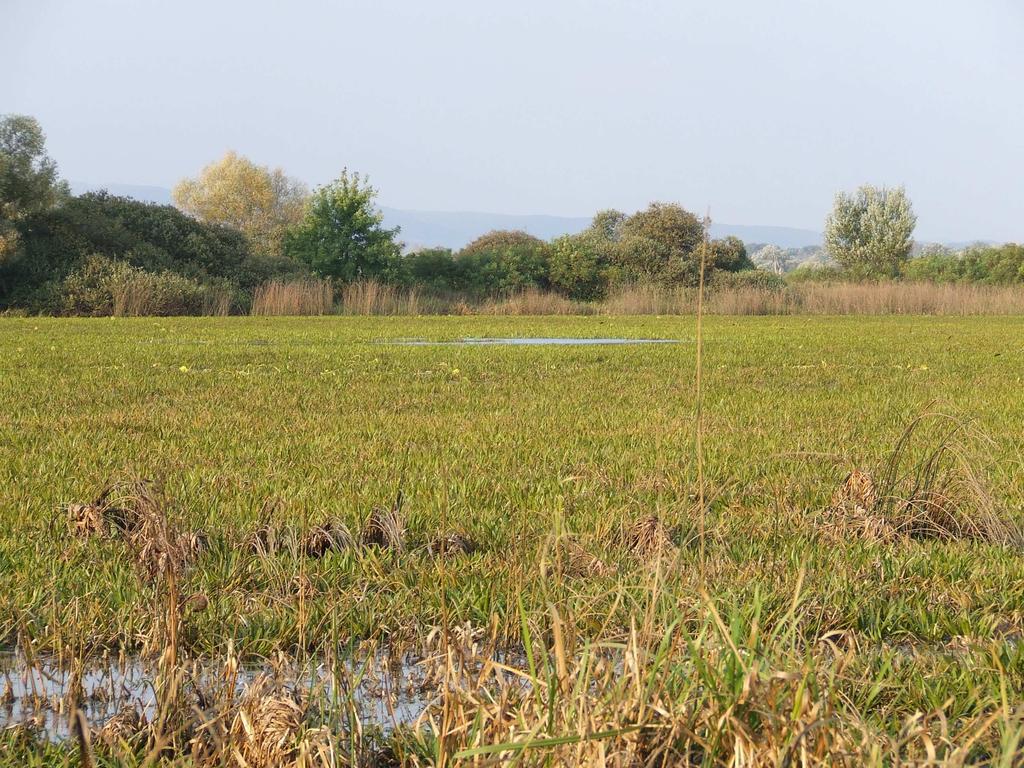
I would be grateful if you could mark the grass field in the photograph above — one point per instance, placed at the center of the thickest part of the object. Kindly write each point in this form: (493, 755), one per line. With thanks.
(778, 633)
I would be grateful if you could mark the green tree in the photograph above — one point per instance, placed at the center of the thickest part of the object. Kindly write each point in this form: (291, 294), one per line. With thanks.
(579, 265)
(658, 244)
(871, 231)
(28, 178)
(342, 235)
(503, 262)
(607, 225)
(154, 238)
(669, 225)
(728, 254)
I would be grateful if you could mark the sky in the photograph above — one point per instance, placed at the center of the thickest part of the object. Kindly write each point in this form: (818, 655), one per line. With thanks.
(757, 111)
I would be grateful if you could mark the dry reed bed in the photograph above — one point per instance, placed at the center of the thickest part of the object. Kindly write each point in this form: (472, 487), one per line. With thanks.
(317, 297)
(630, 664)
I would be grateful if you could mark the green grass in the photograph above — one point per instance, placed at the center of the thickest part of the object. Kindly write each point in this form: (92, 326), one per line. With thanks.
(511, 445)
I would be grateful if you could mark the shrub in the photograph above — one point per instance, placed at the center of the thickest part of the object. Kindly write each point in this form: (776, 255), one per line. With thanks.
(502, 263)
(154, 238)
(104, 286)
(579, 266)
(433, 269)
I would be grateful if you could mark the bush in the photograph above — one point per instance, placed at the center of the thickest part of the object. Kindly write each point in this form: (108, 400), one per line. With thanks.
(579, 266)
(104, 286)
(433, 269)
(816, 273)
(502, 263)
(988, 265)
(153, 238)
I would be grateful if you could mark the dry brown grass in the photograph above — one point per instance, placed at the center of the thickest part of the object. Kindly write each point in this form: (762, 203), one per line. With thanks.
(934, 485)
(533, 302)
(138, 513)
(649, 537)
(369, 297)
(330, 536)
(296, 297)
(896, 298)
(385, 527)
(450, 544)
(264, 732)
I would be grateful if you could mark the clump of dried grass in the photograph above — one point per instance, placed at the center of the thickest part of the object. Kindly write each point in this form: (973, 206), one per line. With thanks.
(576, 560)
(125, 730)
(267, 731)
(138, 512)
(450, 544)
(266, 727)
(385, 527)
(933, 486)
(330, 536)
(649, 537)
(157, 547)
(295, 297)
(270, 535)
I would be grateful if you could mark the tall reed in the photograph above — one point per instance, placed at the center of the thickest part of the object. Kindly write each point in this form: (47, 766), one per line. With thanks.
(295, 297)
(370, 297)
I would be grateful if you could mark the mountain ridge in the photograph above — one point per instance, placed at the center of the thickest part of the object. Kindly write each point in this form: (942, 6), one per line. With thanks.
(454, 229)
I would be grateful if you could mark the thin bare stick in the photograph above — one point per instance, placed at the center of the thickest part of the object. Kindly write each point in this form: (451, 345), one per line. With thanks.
(698, 389)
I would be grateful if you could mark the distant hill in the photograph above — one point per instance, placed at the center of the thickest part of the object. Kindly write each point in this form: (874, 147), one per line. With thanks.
(453, 229)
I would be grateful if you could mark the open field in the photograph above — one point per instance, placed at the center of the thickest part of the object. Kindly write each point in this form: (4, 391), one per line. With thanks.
(791, 630)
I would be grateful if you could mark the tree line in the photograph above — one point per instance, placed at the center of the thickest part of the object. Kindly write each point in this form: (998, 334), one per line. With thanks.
(237, 225)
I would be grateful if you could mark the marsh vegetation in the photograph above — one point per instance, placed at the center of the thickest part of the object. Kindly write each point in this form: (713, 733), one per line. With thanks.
(261, 516)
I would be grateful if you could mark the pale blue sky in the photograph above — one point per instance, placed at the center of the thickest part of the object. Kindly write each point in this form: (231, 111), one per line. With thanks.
(760, 110)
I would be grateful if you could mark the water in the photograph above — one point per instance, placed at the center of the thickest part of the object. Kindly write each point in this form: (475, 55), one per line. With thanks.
(529, 342)
(384, 692)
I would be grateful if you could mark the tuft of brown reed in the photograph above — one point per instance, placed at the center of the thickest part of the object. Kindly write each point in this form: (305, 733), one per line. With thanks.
(813, 298)
(158, 548)
(370, 297)
(295, 297)
(932, 486)
(385, 527)
(649, 537)
(451, 544)
(577, 561)
(124, 731)
(265, 729)
(858, 489)
(533, 301)
(330, 536)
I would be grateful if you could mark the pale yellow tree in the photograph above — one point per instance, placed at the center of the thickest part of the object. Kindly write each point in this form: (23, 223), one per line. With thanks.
(261, 202)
